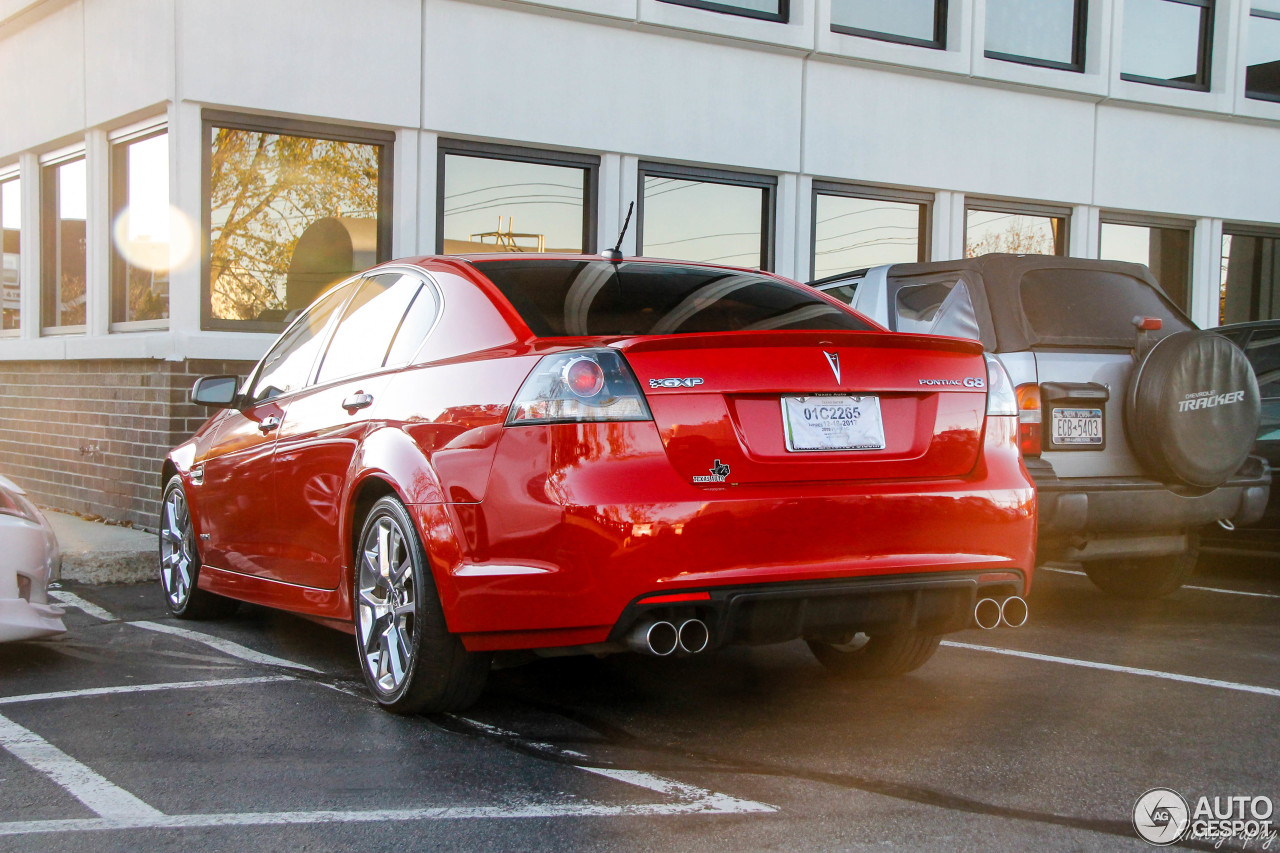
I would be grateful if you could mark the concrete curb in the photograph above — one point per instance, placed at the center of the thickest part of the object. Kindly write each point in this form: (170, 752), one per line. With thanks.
(93, 552)
(134, 567)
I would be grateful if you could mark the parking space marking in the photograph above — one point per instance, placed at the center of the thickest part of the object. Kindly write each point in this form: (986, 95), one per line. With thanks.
(70, 599)
(95, 791)
(227, 647)
(1184, 586)
(1127, 670)
(141, 688)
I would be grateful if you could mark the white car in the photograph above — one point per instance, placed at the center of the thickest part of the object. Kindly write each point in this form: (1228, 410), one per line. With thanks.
(31, 557)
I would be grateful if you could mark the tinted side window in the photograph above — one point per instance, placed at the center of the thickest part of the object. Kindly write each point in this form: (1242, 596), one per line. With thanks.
(413, 329)
(938, 308)
(364, 333)
(1091, 308)
(288, 366)
(1264, 355)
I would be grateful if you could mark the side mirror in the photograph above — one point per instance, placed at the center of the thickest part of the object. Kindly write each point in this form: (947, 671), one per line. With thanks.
(217, 391)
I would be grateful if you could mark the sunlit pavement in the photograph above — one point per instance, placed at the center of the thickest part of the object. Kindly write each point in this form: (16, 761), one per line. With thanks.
(136, 731)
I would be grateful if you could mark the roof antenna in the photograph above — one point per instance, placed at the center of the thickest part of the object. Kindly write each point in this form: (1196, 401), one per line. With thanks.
(615, 254)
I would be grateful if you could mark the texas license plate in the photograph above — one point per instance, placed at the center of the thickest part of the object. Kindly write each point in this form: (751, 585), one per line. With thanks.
(832, 423)
(1076, 428)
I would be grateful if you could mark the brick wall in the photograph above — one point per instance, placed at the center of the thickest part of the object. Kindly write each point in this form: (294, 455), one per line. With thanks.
(90, 436)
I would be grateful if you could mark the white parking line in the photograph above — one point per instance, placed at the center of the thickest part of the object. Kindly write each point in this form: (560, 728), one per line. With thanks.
(99, 795)
(140, 688)
(70, 599)
(227, 647)
(1127, 670)
(1185, 586)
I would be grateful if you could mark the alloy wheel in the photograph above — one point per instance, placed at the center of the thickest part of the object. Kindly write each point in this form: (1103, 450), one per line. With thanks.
(388, 597)
(176, 549)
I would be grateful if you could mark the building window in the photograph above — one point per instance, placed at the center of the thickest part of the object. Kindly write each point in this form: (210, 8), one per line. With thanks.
(1168, 42)
(1165, 249)
(290, 208)
(1049, 33)
(498, 198)
(1262, 77)
(706, 215)
(143, 233)
(1015, 229)
(767, 10)
(918, 22)
(859, 227)
(10, 253)
(64, 204)
(1250, 275)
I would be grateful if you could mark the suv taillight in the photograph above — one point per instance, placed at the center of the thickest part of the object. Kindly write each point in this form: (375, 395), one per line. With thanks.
(577, 387)
(1029, 419)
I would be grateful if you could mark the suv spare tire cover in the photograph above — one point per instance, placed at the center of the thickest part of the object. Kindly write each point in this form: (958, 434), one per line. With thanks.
(1192, 410)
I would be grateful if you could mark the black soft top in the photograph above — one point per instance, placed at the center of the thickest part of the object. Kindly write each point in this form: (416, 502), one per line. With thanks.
(1046, 300)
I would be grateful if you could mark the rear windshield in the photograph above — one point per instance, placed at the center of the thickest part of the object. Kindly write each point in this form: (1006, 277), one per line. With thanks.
(573, 298)
(1091, 308)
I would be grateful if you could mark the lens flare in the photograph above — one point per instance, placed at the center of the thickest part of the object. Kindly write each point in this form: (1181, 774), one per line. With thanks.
(155, 243)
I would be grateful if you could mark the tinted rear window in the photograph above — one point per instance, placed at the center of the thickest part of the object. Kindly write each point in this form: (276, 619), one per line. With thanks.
(575, 298)
(1091, 308)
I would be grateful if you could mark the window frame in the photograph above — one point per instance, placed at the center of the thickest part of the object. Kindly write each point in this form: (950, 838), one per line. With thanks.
(1269, 15)
(1030, 208)
(871, 193)
(1246, 229)
(1079, 39)
(117, 194)
(1162, 223)
(1204, 62)
(941, 17)
(590, 163)
(12, 172)
(210, 119)
(48, 204)
(782, 16)
(769, 204)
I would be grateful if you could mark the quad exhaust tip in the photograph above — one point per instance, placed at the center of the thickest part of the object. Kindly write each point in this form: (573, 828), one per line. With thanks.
(694, 636)
(1012, 612)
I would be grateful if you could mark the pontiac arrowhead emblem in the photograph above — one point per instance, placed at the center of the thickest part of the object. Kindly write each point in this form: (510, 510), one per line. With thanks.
(833, 359)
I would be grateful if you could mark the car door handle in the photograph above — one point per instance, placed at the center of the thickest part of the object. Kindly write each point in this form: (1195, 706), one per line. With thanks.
(269, 424)
(358, 400)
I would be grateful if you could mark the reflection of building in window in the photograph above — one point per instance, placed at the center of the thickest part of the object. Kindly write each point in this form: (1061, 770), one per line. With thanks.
(265, 190)
(1250, 288)
(1262, 77)
(1167, 251)
(1168, 42)
(10, 252)
(64, 203)
(1013, 232)
(548, 192)
(853, 231)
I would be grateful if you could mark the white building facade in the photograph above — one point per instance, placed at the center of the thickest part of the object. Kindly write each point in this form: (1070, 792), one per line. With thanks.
(805, 136)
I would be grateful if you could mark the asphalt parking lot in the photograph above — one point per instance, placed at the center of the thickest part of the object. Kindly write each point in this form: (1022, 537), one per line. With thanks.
(135, 731)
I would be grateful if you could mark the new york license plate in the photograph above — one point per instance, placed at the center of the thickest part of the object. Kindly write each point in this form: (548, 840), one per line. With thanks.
(832, 423)
(1076, 427)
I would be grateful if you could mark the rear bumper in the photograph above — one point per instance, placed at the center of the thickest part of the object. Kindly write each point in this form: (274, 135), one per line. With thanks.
(1077, 509)
(556, 552)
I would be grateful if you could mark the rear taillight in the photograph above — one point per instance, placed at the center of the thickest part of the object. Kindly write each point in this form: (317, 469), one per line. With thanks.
(1029, 419)
(578, 387)
(1000, 396)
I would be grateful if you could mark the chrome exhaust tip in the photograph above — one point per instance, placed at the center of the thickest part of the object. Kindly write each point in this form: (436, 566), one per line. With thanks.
(654, 638)
(694, 636)
(986, 613)
(1014, 611)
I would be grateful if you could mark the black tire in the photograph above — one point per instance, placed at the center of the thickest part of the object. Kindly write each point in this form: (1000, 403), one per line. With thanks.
(1142, 577)
(1192, 409)
(180, 561)
(881, 656)
(409, 659)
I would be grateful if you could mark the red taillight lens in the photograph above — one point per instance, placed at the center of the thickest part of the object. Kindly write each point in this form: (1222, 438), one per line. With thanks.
(584, 377)
(1029, 419)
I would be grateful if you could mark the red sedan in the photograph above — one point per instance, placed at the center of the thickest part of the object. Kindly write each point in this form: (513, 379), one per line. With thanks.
(463, 456)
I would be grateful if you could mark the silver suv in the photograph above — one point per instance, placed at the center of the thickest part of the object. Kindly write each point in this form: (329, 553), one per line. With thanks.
(1135, 425)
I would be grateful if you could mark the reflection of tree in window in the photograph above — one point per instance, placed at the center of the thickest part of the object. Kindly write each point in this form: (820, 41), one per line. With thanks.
(1012, 233)
(264, 190)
